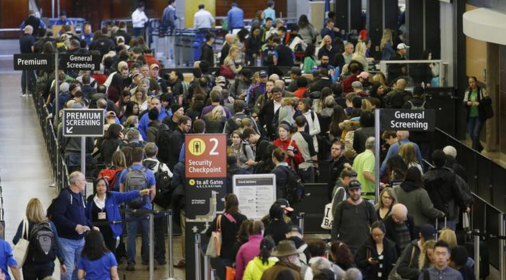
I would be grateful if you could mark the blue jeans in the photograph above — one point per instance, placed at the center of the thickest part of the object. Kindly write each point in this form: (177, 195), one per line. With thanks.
(474, 125)
(71, 250)
(132, 228)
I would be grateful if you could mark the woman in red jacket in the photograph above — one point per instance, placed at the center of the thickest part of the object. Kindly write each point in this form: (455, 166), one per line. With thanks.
(292, 155)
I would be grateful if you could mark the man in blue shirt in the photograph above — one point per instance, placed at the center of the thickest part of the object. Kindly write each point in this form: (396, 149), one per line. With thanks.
(144, 122)
(270, 12)
(87, 34)
(70, 220)
(441, 270)
(329, 30)
(235, 18)
(63, 19)
(7, 259)
(132, 227)
(402, 137)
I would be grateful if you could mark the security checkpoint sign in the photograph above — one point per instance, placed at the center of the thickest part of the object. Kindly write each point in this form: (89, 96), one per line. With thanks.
(79, 62)
(83, 122)
(407, 119)
(206, 179)
(29, 61)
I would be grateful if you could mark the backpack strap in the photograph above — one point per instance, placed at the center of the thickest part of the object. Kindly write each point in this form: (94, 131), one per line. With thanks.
(412, 256)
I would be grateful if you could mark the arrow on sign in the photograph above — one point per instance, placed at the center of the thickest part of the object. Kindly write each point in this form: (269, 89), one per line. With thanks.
(69, 130)
(195, 229)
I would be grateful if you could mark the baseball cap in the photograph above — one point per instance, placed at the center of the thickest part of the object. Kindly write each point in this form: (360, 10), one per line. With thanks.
(356, 84)
(221, 79)
(284, 204)
(402, 46)
(354, 184)
(153, 66)
(428, 232)
(246, 73)
(364, 75)
(120, 39)
(263, 74)
(64, 87)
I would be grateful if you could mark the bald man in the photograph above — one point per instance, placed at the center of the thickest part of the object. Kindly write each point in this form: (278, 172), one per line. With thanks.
(400, 227)
(229, 40)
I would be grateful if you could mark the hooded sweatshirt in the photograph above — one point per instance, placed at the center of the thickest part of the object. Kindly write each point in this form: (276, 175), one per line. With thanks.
(256, 268)
(417, 201)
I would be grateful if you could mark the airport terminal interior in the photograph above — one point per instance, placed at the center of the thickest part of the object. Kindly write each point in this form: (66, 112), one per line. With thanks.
(270, 139)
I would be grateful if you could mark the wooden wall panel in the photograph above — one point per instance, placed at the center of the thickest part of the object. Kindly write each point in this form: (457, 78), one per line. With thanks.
(12, 14)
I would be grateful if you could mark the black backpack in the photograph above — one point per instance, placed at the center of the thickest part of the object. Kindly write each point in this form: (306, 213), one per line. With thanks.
(163, 189)
(163, 143)
(136, 180)
(42, 243)
(295, 191)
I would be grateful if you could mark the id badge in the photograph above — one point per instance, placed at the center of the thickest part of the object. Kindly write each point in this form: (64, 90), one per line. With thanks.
(101, 215)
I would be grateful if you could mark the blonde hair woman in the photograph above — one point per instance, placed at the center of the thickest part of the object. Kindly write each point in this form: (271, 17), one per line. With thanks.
(141, 97)
(408, 154)
(387, 200)
(231, 58)
(215, 120)
(359, 55)
(36, 266)
(449, 237)
(386, 45)
(427, 257)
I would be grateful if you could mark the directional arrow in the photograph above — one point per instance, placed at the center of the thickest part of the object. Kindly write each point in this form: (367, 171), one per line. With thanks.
(69, 130)
(195, 229)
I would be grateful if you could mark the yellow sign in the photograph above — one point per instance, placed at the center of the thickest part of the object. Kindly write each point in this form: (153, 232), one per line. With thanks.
(192, 182)
(197, 147)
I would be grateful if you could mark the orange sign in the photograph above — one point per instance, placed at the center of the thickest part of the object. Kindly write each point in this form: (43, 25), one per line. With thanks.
(206, 155)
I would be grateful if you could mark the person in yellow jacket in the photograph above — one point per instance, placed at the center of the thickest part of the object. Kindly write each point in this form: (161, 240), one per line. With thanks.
(262, 262)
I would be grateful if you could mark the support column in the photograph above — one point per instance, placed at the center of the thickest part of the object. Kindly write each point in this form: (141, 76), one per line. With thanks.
(374, 26)
(492, 82)
(390, 12)
(341, 10)
(415, 26)
(355, 16)
(433, 28)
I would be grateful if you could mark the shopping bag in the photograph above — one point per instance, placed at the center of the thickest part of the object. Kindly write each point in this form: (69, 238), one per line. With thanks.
(214, 247)
(20, 250)
(328, 217)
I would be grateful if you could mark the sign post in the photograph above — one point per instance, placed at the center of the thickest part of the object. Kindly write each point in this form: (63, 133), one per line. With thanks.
(83, 123)
(399, 119)
(206, 174)
(255, 193)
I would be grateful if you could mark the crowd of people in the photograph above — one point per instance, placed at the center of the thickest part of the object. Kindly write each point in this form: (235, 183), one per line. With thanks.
(324, 112)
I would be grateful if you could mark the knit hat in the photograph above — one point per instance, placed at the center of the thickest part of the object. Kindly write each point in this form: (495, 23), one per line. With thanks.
(64, 87)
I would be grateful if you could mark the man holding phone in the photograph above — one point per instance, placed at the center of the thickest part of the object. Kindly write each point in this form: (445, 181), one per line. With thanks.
(71, 222)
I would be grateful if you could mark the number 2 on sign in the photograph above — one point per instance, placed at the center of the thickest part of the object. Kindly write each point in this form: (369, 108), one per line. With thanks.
(213, 151)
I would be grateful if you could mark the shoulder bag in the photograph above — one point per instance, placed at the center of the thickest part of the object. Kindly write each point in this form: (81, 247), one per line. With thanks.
(20, 250)
(214, 247)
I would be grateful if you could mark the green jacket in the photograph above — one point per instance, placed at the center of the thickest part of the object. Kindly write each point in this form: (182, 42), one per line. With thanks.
(256, 268)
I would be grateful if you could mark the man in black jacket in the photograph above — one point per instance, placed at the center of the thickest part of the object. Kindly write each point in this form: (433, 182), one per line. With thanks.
(177, 140)
(336, 165)
(441, 185)
(207, 52)
(396, 70)
(268, 122)
(400, 227)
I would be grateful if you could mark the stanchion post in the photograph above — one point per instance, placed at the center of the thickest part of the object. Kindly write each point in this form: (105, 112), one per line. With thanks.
(83, 155)
(477, 253)
(301, 221)
(377, 150)
(151, 247)
(197, 257)
(502, 246)
(213, 274)
(207, 268)
(56, 118)
(171, 251)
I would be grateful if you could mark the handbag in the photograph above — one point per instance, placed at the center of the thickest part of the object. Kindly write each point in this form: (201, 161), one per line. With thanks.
(393, 273)
(230, 273)
(214, 247)
(226, 72)
(20, 250)
(487, 107)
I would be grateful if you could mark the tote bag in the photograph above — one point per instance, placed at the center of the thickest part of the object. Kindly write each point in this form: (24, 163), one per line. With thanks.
(214, 247)
(20, 250)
